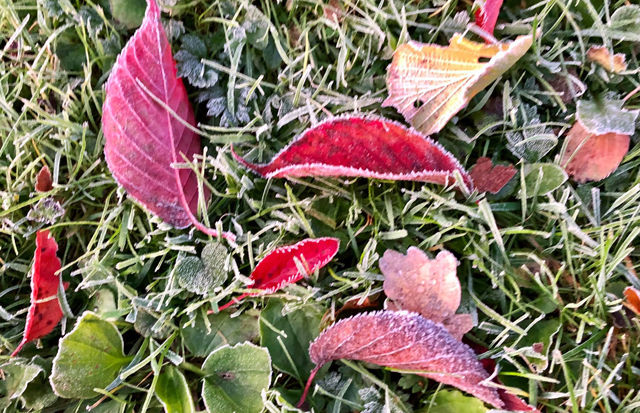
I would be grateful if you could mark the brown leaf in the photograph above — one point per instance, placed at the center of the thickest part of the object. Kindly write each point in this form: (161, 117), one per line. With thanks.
(489, 178)
(429, 287)
(633, 298)
(602, 56)
(44, 183)
(408, 342)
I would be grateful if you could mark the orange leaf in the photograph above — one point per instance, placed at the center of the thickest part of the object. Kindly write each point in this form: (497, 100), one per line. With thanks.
(633, 297)
(489, 178)
(444, 79)
(601, 55)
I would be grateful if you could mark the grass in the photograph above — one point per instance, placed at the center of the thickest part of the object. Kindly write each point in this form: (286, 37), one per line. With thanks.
(545, 269)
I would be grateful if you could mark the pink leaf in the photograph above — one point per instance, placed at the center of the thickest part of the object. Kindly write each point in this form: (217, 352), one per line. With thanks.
(363, 146)
(279, 268)
(45, 312)
(487, 15)
(408, 342)
(490, 178)
(143, 138)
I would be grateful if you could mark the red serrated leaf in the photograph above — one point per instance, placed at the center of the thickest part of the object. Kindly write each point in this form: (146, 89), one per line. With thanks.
(366, 147)
(487, 15)
(404, 341)
(45, 312)
(44, 183)
(489, 178)
(279, 268)
(143, 138)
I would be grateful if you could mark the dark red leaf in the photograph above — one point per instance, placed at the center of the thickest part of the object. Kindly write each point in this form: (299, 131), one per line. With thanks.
(487, 15)
(45, 312)
(279, 267)
(143, 138)
(404, 341)
(44, 183)
(363, 146)
(489, 178)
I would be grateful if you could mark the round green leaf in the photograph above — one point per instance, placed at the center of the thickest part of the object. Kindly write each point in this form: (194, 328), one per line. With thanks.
(128, 12)
(223, 330)
(213, 257)
(453, 401)
(236, 377)
(201, 275)
(173, 391)
(542, 178)
(89, 357)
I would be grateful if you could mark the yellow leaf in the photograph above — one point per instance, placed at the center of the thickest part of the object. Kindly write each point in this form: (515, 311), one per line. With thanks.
(429, 83)
(601, 55)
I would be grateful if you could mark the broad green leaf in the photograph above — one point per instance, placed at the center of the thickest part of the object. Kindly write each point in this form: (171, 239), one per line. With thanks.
(18, 373)
(128, 12)
(145, 325)
(201, 275)
(39, 394)
(623, 25)
(89, 357)
(453, 401)
(173, 391)
(290, 340)
(236, 377)
(542, 178)
(213, 256)
(224, 330)
(600, 117)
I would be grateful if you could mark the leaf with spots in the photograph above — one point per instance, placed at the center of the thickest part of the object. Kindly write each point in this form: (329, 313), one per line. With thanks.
(148, 128)
(365, 147)
(44, 312)
(407, 342)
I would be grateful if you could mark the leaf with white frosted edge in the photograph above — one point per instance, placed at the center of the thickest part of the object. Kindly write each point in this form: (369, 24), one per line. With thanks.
(606, 116)
(202, 275)
(542, 178)
(429, 84)
(236, 377)
(173, 391)
(89, 357)
(17, 374)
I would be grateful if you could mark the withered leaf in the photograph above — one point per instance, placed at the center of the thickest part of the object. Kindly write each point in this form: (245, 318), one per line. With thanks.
(601, 55)
(44, 183)
(489, 178)
(633, 298)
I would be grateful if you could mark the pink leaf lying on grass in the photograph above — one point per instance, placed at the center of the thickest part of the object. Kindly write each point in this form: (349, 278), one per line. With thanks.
(279, 268)
(487, 15)
(363, 146)
(143, 137)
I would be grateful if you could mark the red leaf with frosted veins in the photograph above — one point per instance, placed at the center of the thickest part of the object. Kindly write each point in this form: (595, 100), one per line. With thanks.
(487, 15)
(143, 138)
(44, 183)
(279, 267)
(489, 178)
(363, 146)
(45, 312)
(404, 341)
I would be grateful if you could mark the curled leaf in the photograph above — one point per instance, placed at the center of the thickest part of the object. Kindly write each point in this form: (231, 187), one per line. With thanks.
(487, 15)
(44, 183)
(429, 84)
(408, 342)
(363, 146)
(146, 115)
(489, 178)
(601, 55)
(430, 287)
(289, 264)
(45, 312)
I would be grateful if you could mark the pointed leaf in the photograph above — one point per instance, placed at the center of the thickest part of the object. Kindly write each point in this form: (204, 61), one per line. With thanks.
(487, 15)
(430, 287)
(363, 146)
(173, 391)
(145, 114)
(633, 298)
(45, 312)
(489, 178)
(444, 79)
(44, 183)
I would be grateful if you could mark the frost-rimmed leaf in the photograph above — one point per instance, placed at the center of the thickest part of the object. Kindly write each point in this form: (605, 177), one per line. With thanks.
(363, 146)
(16, 376)
(534, 140)
(145, 116)
(173, 391)
(445, 78)
(189, 62)
(542, 178)
(606, 116)
(408, 342)
(491, 178)
(202, 275)
(89, 357)
(236, 377)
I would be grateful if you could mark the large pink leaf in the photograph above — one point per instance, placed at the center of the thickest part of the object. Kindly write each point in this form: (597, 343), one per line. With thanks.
(279, 268)
(404, 341)
(363, 146)
(487, 15)
(143, 137)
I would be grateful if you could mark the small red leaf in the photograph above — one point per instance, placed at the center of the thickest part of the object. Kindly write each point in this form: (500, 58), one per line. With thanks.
(44, 183)
(404, 341)
(489, 178)
(45, 312)
(366, 147)
(143, 138)
(279, 267)
(487, 15)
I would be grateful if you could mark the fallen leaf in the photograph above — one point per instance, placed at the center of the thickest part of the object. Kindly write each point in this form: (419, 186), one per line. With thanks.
(44, 183)
(487, 15)
(430, 287)
(489, 178)
(145, 116)
(606, 116)
(613, 63)
(289, 264)
(363, 146)
(403, 341)
(45, 312)
(445, 78)
(592, 157)
(633, 298)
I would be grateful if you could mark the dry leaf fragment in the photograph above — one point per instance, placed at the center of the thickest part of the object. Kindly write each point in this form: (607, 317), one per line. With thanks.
(44, 183)
(489, 178)
(404, 341)
(430, 287)
(633, 298)
(444, 79)
(613, 63)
